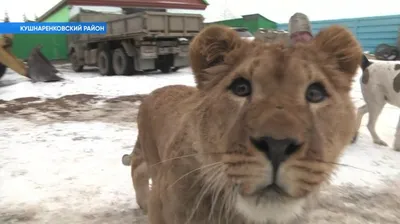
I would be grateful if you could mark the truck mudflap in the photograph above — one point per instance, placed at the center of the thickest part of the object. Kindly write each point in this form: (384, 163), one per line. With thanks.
(148, 52)
(176, 50)
(180, 62)
(181, 58)
(169, 50)
(183, 50)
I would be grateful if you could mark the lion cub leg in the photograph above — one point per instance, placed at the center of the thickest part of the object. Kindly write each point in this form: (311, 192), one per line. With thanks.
(140, 177)
(155, 207)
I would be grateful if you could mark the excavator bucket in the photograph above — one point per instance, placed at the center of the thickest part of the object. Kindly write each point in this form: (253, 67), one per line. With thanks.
(40, 69)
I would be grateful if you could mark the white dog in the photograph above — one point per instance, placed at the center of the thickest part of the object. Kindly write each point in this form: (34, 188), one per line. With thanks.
(380, 84)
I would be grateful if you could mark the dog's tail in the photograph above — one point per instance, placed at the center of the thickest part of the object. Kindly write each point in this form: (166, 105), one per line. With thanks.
(365, 62)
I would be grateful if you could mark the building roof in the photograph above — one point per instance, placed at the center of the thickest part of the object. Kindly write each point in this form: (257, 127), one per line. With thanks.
(244, 17)
(172, 4)
(51, 11)
(258, 15)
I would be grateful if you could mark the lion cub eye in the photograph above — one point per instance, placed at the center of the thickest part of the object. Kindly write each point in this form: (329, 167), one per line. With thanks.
(316, 93)
(240, 87)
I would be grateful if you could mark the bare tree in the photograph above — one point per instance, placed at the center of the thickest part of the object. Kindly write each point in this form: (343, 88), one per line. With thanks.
(25, 18)
(227, 13)
(6, 17)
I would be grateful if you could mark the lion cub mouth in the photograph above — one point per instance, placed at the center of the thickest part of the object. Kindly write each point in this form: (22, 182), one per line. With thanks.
(272, 189)
(268, 203)
(268, 193)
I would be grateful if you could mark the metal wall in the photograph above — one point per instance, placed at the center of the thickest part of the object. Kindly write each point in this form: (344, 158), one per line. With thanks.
(54, 46)
(175, 4)
(370, 31)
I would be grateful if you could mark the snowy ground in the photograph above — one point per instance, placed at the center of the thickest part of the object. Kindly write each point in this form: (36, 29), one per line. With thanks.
(61, 146)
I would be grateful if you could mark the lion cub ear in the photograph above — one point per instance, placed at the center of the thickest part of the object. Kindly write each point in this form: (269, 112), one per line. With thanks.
(341, 45)
(210, 48)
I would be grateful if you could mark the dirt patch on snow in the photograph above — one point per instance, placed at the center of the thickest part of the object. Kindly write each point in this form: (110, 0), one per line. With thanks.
(40, 215)
(79, 107)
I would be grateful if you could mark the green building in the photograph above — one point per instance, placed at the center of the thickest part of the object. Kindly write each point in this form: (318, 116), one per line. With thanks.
(54, 46)
(252, 22)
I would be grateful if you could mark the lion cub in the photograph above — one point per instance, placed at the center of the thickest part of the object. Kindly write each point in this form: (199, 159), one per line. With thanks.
(256, 138)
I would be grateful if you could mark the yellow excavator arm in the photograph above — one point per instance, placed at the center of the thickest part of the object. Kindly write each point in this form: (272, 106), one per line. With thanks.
(39, 68)
(7, 58)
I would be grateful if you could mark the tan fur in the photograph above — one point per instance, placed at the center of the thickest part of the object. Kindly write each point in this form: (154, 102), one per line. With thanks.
(196, 141)
(140, 176)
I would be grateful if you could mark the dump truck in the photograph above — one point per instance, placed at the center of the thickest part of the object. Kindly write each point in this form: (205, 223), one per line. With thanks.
(38, 68)
(139, 42)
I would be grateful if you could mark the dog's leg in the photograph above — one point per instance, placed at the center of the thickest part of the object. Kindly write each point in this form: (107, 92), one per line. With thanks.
(375, 108)
(360, 114)
(396, 145)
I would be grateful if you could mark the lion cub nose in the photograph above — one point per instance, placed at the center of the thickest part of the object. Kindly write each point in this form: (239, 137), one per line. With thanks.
(277, 150)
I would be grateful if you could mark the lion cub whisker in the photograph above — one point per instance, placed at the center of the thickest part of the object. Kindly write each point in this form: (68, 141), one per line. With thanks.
(183, 157)
(348, 166)
(213, 184)
(212, 165)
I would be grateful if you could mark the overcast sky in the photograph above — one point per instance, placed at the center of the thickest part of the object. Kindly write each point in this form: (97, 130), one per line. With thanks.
(277, 10)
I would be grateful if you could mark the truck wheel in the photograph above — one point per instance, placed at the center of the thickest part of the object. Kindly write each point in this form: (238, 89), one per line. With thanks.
(73, 58)
(176, 69)
(164, 63)
(104, 63)
(165, 68)
(3, 69)
(122, 63)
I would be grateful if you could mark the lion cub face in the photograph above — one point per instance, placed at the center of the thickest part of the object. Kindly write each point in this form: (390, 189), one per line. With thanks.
(273, 119)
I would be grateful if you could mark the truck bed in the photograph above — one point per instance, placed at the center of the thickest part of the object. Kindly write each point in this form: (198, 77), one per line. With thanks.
(145, 24)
